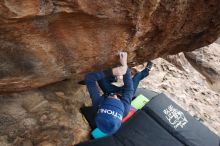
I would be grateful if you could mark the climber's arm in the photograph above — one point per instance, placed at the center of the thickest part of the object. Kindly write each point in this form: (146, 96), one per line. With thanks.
(128, 91)
(90, 80)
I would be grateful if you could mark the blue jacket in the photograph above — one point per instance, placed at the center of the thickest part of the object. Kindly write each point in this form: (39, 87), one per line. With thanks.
(126, 92)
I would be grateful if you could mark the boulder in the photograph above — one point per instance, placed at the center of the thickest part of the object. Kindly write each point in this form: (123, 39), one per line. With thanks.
(206, 61)
(43, 42)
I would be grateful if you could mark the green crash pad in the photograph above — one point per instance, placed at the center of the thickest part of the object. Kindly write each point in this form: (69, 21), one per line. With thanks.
(140, 101)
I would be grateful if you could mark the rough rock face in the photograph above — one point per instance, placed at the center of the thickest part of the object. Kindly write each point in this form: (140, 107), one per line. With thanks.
(50, 116)
(44, 117)
(187, 89)
(47, 41)
(180, 80)
(206, 60)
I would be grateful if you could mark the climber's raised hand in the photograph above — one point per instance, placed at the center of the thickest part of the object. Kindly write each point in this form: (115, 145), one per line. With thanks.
(121, 70)
(123, 58)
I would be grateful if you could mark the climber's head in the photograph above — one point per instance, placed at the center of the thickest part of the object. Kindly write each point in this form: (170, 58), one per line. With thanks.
(109, 115)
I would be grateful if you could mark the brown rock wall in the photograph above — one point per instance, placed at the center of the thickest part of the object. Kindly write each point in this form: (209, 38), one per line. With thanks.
(48, 41)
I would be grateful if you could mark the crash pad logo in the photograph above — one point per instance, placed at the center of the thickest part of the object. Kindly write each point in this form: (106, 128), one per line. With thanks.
(175, 117)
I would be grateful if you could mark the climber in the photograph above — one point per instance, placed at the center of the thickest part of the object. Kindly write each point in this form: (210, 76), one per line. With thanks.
(115, 103)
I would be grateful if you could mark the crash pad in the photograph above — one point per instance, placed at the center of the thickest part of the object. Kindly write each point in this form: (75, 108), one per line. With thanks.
(146, 92)
(131, 113)
(142, 130)
(139, 130)
(139, 101)
(89, 113)
(180, 123)
(105, 141)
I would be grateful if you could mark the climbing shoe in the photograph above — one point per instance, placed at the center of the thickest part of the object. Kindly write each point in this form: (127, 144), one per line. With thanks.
(149, 65)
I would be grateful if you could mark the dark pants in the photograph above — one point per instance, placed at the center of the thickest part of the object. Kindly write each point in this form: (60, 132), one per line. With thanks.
(107, 87)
